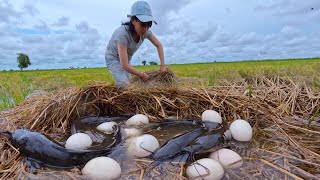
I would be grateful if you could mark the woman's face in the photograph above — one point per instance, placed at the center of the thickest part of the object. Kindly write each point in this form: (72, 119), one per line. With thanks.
(141, 27)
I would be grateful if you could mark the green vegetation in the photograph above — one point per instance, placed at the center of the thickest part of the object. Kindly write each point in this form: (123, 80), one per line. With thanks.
(153, 63)
(16, 85)
(23, 61)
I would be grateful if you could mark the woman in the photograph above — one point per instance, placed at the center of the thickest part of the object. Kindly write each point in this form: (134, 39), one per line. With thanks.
(125, 41)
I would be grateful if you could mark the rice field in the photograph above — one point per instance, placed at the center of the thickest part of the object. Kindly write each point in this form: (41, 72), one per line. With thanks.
(280, 99)
(15, 86)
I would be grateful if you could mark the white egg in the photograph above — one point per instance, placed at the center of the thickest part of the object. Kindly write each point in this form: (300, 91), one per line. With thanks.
(228, 134)
(138, 119)
(196, 171)
(143, 146)
(241, 130)
(106, 127)
(211, 115)
(132, 132)
(227, 158)
(78, 141)
(101, 168)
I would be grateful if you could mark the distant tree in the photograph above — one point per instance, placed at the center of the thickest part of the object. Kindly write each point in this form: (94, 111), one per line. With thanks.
(23, 60)
(144, 62)
(153, 63)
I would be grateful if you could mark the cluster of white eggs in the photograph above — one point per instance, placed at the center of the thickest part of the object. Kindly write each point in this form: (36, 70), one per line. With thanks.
(80, 141)
(99, 168)
(143, 145)
(140, 145)
(107, 168)
(239, 130)
(213, 167)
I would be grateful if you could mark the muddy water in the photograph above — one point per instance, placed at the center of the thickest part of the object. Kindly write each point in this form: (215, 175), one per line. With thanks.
(88, 125)
(168, 130)
(165, 131)
(162, 131)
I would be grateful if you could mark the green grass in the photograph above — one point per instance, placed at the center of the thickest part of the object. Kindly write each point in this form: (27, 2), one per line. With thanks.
(16, 85)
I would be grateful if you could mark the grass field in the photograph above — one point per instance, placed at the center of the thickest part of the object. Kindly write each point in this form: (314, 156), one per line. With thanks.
(16, 85)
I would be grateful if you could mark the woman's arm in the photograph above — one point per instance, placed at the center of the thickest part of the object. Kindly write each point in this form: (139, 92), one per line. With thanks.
(159, 47)
(122, 50)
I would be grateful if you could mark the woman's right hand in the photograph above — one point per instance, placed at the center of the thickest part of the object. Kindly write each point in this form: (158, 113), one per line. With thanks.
(145, 77)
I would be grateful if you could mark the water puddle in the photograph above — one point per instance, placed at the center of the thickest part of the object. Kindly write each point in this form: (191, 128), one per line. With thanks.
(133, 167)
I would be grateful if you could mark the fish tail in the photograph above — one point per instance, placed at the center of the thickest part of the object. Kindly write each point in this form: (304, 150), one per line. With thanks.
(153, 165)
(6, 133)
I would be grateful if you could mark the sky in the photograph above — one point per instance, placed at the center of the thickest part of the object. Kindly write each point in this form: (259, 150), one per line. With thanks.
(74, 33)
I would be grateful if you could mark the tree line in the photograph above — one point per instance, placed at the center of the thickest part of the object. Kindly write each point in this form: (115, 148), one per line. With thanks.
(24, 61)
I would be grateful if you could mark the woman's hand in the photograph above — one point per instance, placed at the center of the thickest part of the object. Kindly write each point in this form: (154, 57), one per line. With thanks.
(145, 77)
(163, 69)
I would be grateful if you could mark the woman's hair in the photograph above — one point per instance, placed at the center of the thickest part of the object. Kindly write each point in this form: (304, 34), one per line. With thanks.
(131, 27)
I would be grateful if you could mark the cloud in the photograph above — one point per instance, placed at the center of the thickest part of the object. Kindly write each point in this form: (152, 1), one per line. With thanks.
(42, 26)
(81, 45)
(30, 9)
(62, 21)
(289, 7)
(32, 39)
(164, 13)
(50, 43)
(206, 34)
(7, 12)
(190, 31)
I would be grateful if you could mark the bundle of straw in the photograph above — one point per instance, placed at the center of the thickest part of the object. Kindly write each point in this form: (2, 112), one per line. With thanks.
(279, 109)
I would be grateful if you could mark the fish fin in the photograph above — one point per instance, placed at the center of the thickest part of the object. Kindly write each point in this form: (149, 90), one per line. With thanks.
(32, 165)
(153, 165)
(183, 157)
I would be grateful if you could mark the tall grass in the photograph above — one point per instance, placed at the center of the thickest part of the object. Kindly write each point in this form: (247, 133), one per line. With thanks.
(16, 85)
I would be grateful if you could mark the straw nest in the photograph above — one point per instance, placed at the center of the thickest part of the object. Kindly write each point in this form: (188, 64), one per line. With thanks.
(157, 77)
(283, 145)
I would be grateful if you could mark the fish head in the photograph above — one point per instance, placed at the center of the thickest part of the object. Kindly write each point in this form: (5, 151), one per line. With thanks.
(21, 137)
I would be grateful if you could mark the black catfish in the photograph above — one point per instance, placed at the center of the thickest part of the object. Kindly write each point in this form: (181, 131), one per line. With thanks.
(178, 144)
(212, 138)
(41, 150)
(173, 147)
(204, 142)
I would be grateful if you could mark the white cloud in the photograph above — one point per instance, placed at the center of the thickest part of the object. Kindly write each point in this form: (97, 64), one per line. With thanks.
(7, 12)
(74, 33)
(62, 21)
(42, 26)
(289, 7)
(28, 8)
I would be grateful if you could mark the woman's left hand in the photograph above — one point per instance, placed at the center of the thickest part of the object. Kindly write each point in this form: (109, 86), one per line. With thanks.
(163, 69)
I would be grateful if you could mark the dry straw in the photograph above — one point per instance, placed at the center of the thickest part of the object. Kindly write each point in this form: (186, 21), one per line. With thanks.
(283, 146)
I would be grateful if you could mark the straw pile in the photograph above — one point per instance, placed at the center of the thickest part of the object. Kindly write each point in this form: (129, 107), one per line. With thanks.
(283, 145)
(155, 79)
